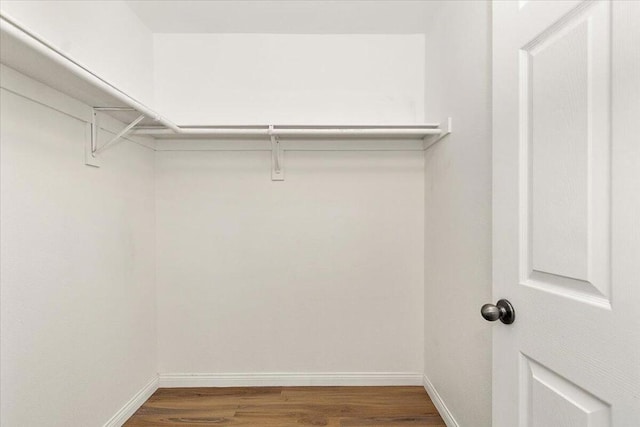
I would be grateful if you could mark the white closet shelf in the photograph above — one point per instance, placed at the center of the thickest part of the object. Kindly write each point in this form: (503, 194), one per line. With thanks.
(30, 54)
(33, 56)
(296, 131)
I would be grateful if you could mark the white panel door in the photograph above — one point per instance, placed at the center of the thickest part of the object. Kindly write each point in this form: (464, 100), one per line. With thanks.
(566, 223)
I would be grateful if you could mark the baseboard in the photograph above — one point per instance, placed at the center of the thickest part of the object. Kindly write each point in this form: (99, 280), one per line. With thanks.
(291, 379)
(133, 404)
(439, 403)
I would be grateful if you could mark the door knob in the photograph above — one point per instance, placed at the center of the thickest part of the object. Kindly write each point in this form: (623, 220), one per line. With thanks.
(503, 310)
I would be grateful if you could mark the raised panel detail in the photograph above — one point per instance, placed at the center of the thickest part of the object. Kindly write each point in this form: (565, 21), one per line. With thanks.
(559, 145)
(548, 399)
(565, 141)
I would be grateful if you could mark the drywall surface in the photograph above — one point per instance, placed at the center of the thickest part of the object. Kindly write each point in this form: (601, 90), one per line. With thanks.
(106, 37)
(289, 78)
(284, 16)
(458, 212)
(78, 335)
(322, 272)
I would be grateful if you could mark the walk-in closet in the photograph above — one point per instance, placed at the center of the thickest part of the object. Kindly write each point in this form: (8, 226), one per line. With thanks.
(319, 213)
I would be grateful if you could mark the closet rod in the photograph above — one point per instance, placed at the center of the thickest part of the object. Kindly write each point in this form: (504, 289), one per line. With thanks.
(303, 131)
(347, 131)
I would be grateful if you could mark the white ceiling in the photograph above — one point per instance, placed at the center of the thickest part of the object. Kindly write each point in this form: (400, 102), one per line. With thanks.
(285, 17)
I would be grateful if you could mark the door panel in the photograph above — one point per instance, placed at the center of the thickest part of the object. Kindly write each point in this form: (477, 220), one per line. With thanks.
(550, 400)
(565, 79)
(566, 90)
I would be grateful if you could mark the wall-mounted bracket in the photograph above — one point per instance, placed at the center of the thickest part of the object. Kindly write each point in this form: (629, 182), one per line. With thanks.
(428, 141)
(92, 147)
(277, 167)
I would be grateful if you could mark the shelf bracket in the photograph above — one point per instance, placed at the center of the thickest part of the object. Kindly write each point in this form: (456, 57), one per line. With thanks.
(93, 149)
(277, 169)
(428, 141)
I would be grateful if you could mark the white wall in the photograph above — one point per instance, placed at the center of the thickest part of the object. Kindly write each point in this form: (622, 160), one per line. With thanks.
(319, 273)
(458, 212)
(284, 16)
(78, 334)
(107, 37)
(289, 78)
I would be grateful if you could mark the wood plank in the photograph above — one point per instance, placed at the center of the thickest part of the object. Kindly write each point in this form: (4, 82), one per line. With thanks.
(430, 420)
(288, 406)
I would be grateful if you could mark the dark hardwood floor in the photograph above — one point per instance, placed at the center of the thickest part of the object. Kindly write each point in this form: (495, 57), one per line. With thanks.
(288, 406)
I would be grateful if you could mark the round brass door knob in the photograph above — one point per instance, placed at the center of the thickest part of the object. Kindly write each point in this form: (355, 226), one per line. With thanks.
(503, 310)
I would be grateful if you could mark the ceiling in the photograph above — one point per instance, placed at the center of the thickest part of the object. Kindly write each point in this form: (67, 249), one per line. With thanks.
(285, 17)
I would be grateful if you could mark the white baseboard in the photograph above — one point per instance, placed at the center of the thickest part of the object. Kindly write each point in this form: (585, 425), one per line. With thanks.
(291, 379)
(439, 403)
(133, 404)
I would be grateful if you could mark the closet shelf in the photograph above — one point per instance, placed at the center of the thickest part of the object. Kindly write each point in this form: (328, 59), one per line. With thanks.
(33, 56)
(30, 54)
(296, 131)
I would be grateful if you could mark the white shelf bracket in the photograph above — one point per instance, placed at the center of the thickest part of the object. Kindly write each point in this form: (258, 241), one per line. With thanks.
(277, 169)
(428, 141)
(93, 149)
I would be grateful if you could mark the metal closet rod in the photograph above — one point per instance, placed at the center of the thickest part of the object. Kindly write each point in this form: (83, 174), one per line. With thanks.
(293, 131)
(34, 41)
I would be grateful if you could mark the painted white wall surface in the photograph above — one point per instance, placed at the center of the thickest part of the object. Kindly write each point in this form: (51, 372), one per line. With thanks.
(290, 78)
(319, 273)
(106, 37)
(78, 334)
(458, 212)
(284, 16)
